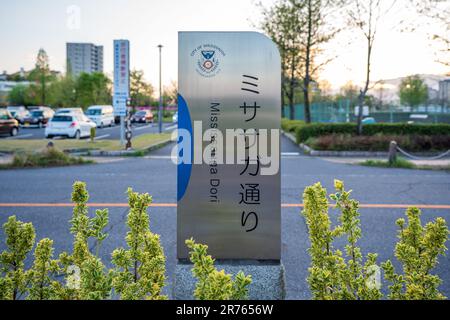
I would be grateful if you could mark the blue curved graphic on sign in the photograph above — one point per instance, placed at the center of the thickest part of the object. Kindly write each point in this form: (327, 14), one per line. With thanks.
(184, 169)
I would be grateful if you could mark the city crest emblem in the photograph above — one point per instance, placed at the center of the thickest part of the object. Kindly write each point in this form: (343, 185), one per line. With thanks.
(208, 60)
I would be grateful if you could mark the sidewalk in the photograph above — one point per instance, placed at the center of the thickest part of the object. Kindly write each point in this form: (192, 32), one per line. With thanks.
(432, 164)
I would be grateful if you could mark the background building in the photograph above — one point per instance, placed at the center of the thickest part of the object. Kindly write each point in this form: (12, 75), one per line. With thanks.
(444, 91)
(84, 57)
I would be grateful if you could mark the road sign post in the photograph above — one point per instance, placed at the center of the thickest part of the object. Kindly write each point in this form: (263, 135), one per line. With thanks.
(121, 82)
(229, 180)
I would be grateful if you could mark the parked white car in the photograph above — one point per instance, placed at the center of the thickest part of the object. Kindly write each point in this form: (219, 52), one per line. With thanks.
(75, 126)
(175, 118)
(101, 115)
(70, 111)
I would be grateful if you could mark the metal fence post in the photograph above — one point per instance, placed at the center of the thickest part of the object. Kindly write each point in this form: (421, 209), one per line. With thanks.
(392, 153)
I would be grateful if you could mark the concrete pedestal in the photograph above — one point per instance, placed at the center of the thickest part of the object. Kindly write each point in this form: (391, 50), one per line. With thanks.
(268, 280)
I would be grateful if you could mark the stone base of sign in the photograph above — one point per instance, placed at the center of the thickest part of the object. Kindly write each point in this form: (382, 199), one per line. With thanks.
(268, 278)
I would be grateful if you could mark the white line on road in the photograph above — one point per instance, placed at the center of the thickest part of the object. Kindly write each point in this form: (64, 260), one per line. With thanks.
(102, 137)
(21, 137)
(171, 128)
(160, 157)
(106, 128)
(143, 127)
(286, 154)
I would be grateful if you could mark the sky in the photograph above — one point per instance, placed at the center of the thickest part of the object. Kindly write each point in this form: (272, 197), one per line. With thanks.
(27, 25)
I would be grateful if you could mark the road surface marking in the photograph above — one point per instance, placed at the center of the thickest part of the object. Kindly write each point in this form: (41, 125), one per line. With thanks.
(174, 205)
(20, 137)
(286, 154)
(161, 157)
(171, 128)
(143, 127)
(102, 137)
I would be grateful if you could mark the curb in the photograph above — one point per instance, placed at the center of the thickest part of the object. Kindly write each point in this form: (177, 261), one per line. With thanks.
(123, 153)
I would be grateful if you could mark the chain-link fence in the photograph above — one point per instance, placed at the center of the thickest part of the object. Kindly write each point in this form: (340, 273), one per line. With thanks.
(343, 111)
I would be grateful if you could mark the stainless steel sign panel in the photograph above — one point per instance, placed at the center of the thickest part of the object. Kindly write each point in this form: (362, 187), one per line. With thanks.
(229, 80)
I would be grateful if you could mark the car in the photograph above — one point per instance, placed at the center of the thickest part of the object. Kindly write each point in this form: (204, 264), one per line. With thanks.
(73, 125)
(19, 113)
(69, 111)
(39, 117)
(101, 115)
(175, 117)
(8, 125)
(142, 116)
(369, 120)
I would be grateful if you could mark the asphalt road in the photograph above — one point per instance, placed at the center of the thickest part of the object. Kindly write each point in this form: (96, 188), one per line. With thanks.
(108, 133)
(156, 175)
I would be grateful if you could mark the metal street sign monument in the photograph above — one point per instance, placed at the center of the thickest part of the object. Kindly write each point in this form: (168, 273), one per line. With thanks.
(229, 154)
(122, 88)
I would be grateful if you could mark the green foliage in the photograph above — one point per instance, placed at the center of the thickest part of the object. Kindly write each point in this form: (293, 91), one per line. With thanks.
(42, 283)
(337, 276)
(93, 133)
(94, 281)
(49, 157)
(20, 238)
(333, 276)
(93, 89)
(413, 91)
(213, 284)
(379, 142)
(139, 270)
(418, 250)
(42, 76)
(63, 92)
(398, 163)
(291, 125)
(141, 92)
(20, 96)
(304, 132)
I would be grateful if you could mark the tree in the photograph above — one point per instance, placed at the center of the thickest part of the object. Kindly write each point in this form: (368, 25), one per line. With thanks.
(318, 32)
(282, 23)
(365, 16)
(63, 93)
(20, 96)
(300, 29)
(349, 91)
(93, 89)
(413, 91)
(436, 12)
(42, 76)
(171, 94)
(141, 92)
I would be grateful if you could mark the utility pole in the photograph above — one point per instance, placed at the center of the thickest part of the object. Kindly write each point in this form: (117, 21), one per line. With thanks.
(160, 111)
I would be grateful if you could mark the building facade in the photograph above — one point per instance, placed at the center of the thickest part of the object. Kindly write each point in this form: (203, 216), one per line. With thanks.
(444, 91)
(84, 58)
(7, 86)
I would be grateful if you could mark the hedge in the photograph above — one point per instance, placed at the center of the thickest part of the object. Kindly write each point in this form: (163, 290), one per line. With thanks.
(291, 125)
(304, 132)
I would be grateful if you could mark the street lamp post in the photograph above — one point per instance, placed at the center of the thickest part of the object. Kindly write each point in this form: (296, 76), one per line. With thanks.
(160, 113)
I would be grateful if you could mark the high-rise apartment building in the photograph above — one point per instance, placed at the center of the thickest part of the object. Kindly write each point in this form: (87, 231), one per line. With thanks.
(84, 57)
